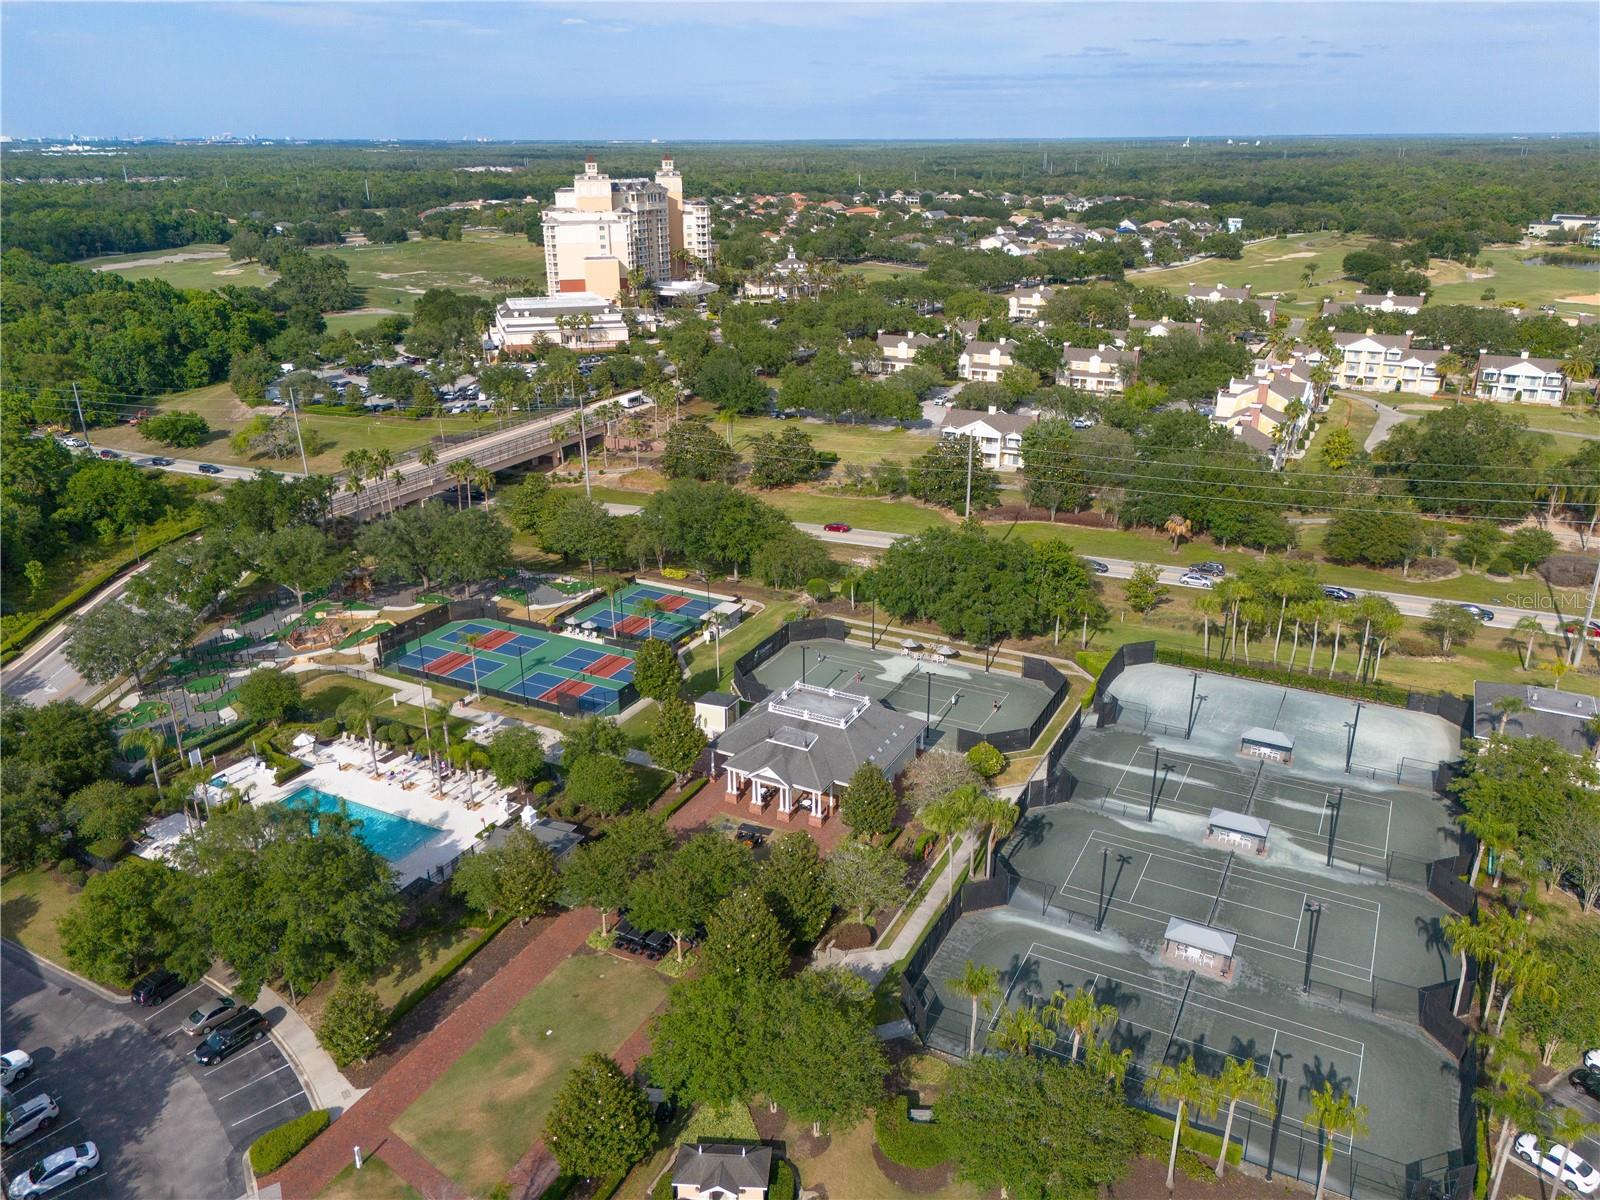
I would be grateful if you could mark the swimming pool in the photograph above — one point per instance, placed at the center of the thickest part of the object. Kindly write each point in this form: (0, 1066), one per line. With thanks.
(391, 836)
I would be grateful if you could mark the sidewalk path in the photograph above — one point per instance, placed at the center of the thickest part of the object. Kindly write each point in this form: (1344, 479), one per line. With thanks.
(873, 964)
(367, 1123)
(325, 1084)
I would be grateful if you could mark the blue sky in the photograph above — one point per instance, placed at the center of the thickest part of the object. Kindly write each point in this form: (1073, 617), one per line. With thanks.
(812, 70)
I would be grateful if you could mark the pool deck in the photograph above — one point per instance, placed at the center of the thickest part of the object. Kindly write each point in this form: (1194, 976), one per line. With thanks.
(403, 787)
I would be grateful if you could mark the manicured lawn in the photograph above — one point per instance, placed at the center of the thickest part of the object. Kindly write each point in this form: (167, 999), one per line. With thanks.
(226, 414)
(487, 1110)
(31, 902)
(1272, 266)
(1503, 269)
(1343, 412)
(390, 277)
(375, 1181)
(1491, 654)
(874, 271)
(861, 444)
(863, 512)
(847, 1168)
(702, 663)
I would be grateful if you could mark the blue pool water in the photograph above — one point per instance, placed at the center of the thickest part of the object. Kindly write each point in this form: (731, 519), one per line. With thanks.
(391, 836)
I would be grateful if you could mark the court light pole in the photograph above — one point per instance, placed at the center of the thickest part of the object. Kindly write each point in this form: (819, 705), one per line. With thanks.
(1314, 908)
(1350, 744)
(928, 724)
(1154, 767)
(1333, 823)
(1100, 907)
(1194, 695)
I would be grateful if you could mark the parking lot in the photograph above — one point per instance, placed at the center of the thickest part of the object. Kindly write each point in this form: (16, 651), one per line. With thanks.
(125, 1078)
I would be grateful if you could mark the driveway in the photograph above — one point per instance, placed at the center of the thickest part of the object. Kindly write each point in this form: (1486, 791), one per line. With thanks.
(125, 1079)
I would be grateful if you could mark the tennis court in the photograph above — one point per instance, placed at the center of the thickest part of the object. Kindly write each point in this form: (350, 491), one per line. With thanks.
(543, 668)
(948, 694)
(644, 610)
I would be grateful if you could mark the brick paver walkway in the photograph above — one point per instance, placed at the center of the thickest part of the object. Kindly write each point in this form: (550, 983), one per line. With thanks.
(367, 1123)
(711, 802)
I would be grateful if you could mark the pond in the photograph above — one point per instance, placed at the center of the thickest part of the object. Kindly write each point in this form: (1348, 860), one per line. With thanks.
(1561, 260)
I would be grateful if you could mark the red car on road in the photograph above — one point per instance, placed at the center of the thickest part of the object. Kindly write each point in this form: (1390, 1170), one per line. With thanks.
(836, 527)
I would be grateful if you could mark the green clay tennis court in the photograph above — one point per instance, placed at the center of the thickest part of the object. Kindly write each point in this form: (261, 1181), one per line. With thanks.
(521, 663)
(644, 610)
(948, 694)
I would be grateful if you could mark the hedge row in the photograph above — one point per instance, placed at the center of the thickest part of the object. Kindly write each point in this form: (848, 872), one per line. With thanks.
(277, 1146)
(603, 1189)
(1343, 685)
(918, 1144)
(444, 970)
(783, 1182)
(1196, 1141)
(688, 794)
(21, 636)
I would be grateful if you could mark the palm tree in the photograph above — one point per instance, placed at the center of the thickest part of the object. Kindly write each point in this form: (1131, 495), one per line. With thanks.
(1081, 1013)
(1530, 626)
(1019, 1030)
(1530, 974)
(1209, 607)
(471, 640)
(360, 710)
(381, 461)
(1448, 366)
(981, 985)
(154, 744)
(995, 817)
(946, 817)
(1504, 709)
(1556, 669)
(427, 456)
(483, 477)
(1240, 1081)
(1186, 1087)
(1335, 1113)
(1511, 1100)
(1177, 527)
(1108, 1064)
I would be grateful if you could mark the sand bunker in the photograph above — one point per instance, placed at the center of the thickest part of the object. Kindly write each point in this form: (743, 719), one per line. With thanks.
(1586, 298)
(163, 260)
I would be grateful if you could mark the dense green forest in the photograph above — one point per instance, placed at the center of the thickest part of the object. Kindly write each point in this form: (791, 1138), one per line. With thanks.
(1455, 193)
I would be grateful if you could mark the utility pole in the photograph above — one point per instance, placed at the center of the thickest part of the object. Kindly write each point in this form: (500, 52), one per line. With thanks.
(294, 414)
(1583, 630)
(82, 424)
(583, 449)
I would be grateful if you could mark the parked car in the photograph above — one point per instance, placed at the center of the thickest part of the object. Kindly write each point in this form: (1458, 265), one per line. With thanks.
(53, 1170)
(1483, 614)
(1197, 579)
(159, 461)
(27, 1118)
(1591, 1058)
(107, 454)
(1564, 1166)
(1083, 422)
(1586, 1079)
(230, 1037)
(74, 443)
(209, 1015)
(157, 987)
(1098, 567)
(1337, 593)
(1214, 569)
(210, 469)
(14, 1067)
(836, 527)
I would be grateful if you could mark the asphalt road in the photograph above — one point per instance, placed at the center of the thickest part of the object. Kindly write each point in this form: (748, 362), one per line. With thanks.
(1562, 1094)
(187, 466)
(125, 1079)
(41, 673)
(1411, 605)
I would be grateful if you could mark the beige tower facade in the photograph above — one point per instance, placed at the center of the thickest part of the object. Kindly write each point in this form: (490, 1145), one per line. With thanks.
(601, 229)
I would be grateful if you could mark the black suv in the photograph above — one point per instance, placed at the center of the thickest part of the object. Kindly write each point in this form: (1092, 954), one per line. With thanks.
(249, 1026)
(156, 987)
(1586, 1079)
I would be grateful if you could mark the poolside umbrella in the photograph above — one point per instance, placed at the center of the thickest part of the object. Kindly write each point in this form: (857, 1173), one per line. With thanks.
(590, 626)
(304, 740)
(569, 620)
(910, 644)
(947, 651)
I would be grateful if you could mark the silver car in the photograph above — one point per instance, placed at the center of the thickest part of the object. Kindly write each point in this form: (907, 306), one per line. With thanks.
(28, 1118)
(51, 1172)
(209, 1015)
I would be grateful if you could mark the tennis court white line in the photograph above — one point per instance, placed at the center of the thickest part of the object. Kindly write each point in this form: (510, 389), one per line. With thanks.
(1140, 880)
(1128, 841)
(1250, 941)
(1149, 983)
(1203, 809)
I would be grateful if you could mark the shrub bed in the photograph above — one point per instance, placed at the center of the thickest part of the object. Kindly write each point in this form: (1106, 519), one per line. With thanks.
(916, 1144)
(277, 1146)
(689, 792)
(1196, 1141)
(1379, 693)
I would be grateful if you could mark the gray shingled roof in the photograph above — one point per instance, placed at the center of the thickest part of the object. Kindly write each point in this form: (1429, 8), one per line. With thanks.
(707, 1165)
(824, 755)
(1556, 715)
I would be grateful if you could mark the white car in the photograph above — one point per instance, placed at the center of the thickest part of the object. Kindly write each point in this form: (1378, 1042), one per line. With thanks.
(1560, 1164)
(14, 1067)
(28, 1118)
(1195, 579)
(53, 1170)
(1591, 1059)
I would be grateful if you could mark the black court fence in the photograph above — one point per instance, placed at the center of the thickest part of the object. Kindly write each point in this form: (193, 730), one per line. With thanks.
(1446, 883)
(1282, 1146)
(1052, 783)
(392, 641)
(1012, 740)
(751, 689)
